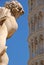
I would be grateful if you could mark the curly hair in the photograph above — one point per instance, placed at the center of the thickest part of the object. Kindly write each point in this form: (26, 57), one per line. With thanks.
(15, 8)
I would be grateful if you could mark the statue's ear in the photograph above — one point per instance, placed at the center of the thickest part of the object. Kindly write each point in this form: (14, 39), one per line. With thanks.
(2, 20)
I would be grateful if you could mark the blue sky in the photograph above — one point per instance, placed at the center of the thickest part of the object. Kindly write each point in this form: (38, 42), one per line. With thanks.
(18, 51)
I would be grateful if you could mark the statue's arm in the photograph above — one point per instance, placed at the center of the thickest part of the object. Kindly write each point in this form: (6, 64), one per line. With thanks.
(3, 14)
(2, 20)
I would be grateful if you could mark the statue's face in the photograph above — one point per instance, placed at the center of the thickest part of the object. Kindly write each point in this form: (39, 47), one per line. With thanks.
(15, 8)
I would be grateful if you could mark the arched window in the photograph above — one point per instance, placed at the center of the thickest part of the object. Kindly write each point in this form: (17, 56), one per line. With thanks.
(29, 23)
(32, 25)
(32, 64)
(40, 15)
(32, 45)
(42, 62)
(40, 19)
(36, 63)
(31, 4)
(36, 45)
(41, 43)
(35, 22)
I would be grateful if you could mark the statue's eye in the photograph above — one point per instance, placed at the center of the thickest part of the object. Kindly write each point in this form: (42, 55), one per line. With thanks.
(20, 9)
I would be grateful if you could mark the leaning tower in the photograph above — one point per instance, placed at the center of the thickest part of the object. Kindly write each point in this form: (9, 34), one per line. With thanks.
(36, 32)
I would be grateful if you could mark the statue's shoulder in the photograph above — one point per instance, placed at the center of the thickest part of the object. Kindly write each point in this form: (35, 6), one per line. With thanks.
(2, 8)
(3, 12)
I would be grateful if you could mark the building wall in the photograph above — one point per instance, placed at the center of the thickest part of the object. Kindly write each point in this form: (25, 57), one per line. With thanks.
(36, 34)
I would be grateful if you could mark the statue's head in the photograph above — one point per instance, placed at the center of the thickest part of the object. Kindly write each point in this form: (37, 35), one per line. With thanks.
(15, 8)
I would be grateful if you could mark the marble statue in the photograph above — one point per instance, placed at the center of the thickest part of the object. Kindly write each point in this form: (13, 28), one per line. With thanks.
(8, 25)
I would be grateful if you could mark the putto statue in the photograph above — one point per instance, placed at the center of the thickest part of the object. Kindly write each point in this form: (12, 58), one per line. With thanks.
(8, 25)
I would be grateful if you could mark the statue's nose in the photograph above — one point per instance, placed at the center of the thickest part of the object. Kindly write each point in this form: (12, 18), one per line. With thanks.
(23, 11)
(20, 9)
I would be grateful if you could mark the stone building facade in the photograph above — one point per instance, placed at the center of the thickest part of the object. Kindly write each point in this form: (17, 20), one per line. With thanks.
(36, 32)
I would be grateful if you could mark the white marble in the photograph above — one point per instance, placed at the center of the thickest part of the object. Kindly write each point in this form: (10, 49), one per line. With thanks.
(8, 26)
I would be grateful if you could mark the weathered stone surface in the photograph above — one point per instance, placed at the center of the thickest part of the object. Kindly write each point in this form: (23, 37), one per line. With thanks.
(36, 32)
